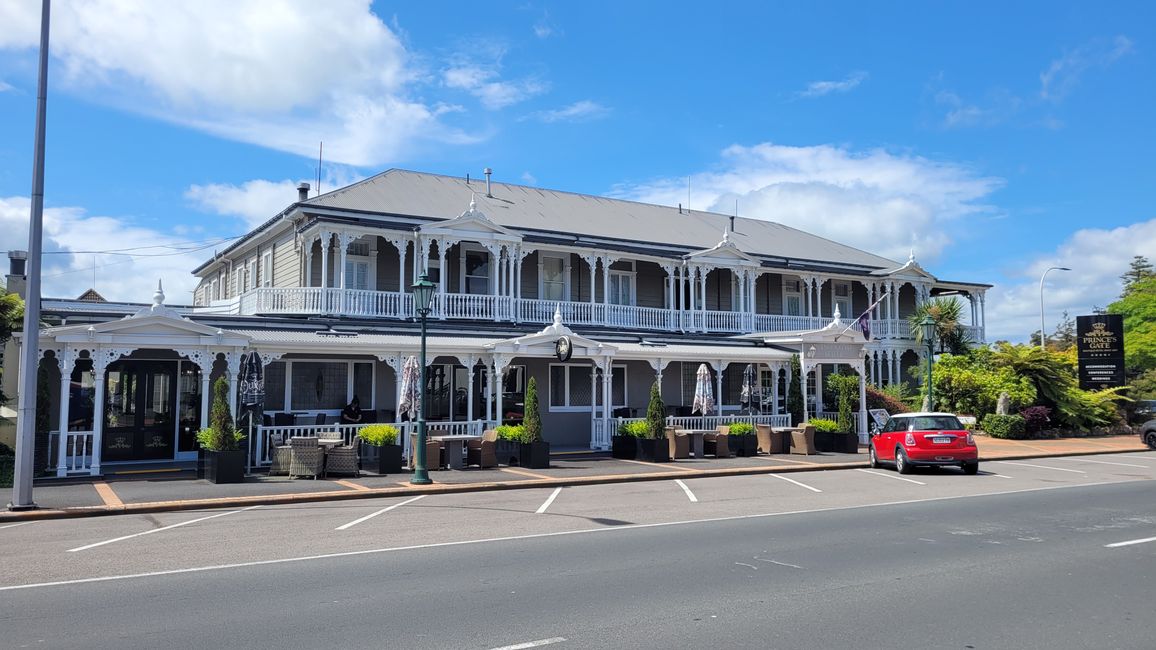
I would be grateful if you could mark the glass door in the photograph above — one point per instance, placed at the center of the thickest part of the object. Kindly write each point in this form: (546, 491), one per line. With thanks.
(140, 410)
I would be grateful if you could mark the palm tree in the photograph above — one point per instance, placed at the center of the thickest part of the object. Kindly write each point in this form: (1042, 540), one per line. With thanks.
(949, 331)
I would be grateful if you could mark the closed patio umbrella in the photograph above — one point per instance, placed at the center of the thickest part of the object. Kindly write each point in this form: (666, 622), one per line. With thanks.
(703, 391)
(252, 381)
(750, 392)
(410, 378)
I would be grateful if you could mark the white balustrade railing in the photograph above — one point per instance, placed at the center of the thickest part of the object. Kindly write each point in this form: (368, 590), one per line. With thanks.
(465, 306)
(78, 448)
(723, 321)
(259, 444)
(702, 422)
(784, 323)
(599, 434)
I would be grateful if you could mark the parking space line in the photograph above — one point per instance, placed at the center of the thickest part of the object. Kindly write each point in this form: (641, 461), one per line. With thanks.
(791, 480)
(897, 478)
(157, 530)
(549, 500)
(522, 472)
(1105, 462)
(786, 460)
(353, 486)
(23, 523)
(107, 495)
(532, 644)
(379, 512)
(689, 494)
(1058, 469)
(994, 474)
(661, 465)
(1131, 542)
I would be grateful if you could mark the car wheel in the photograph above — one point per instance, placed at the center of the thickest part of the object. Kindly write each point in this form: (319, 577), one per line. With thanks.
(902, 465)
(1151, 439)
(971, 468)
(873, 459)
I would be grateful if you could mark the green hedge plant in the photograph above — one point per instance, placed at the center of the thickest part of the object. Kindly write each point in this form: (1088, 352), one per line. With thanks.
(513, 433)
(377, 435)
(222, 433)
(636, 428)
(742, 429)
(824, 425)
(1012, 427)
(655, 414)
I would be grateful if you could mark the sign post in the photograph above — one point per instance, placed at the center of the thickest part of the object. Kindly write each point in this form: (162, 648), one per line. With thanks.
(1100, 351)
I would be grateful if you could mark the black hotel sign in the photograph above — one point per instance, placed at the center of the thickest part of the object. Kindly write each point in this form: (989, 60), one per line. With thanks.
(1100, 348)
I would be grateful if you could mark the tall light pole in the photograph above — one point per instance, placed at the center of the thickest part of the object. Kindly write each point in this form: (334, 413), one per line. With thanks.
(30, 352)
(423, 291)
(1043, 337)
(927, 329)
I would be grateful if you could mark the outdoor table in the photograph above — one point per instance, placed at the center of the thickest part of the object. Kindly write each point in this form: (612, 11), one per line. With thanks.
(455, 448)
(696, 440)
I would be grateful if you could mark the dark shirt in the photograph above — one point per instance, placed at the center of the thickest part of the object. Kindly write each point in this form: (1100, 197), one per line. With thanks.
(351, 414)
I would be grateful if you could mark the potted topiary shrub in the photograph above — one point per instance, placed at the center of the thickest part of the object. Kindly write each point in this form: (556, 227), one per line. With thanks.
(652, 444)
(383, 437)
(743, 441)
(825, 432)
(624, 445)
(221, 440)
(846, 387)
(535, 452)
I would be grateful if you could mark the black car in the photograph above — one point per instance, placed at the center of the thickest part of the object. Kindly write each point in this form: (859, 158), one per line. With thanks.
(1148, 433)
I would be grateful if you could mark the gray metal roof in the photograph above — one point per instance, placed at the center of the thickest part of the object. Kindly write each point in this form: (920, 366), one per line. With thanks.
(416, 194)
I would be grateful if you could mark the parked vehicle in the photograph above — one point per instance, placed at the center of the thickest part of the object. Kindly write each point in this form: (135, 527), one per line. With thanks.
(1148, 433)
(912, 439)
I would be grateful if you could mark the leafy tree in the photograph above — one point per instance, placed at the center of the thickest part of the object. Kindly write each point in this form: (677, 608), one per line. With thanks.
(846, 387)
(795, 393)
(532, 418)
(949, 330)
(11, 320)
(1064, 338)
(1144, 385)
(881, 399)
(1054, 377)
(972, 384)
(655, 414)
(1140, 269)
(222, 433)
(1138, 307)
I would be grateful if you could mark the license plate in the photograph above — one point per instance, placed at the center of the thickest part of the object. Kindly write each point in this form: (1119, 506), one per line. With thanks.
(941, 440)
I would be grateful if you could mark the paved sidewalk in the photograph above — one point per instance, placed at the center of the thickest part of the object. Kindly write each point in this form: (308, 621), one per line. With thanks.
(167, 491)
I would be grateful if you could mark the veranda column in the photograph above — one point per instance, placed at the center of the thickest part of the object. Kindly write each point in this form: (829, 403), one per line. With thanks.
(308, 266)
(894, 367)
(343, 240)
(803, 384)
(64, 360)
(99, 365)
(325, 241)
(233, 365)
(807, 295)
(719, 367)
(862, 404)
(818, 388)
(702, 295)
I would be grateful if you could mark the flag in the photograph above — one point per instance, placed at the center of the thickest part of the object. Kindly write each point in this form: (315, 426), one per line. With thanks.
(865, 325)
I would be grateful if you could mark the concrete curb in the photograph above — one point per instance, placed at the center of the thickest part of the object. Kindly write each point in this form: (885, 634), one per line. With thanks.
(452, 488)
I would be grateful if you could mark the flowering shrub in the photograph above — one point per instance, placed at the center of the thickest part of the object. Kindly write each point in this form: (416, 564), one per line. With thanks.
(1036, 418)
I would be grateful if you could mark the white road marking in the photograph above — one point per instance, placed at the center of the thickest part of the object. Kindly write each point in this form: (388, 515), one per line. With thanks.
(157, 530)
(514, 538)
(23, 523)
(791, 480)
(532, 644)
(549, 500)
(897, 478)
(1058, 469)
(689, 494)
(1131, 542)
(994, 474)
(382, 511)
(793, 566)
(1105, 462)
(751, 566)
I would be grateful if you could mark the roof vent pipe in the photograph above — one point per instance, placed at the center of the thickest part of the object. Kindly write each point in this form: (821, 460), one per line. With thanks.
(732, 224)
(487, 171)
(303, 191)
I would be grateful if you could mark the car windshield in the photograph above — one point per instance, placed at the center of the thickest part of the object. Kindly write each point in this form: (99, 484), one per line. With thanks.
(929, 423)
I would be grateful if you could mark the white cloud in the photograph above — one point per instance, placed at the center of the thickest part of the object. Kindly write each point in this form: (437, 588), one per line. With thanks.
(1064, 73)
(878, 201)
(258, 200)
(483, 82)
(4, 87)
(544, 27)
(71, 229)
(579, 111)
(1097, 258)
(820, 88)
(529, 179)
(278, 73)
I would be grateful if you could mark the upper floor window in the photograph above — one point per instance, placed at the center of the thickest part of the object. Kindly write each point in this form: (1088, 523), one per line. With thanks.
(842, 298)
(356, 274)
(622, 287)
(267, 269)
(552, 278)
(792, 297)
(475, 265)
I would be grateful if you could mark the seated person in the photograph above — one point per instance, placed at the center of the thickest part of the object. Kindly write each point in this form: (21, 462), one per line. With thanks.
(351, 414)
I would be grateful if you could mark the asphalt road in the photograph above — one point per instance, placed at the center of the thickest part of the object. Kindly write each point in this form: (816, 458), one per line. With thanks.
(1016, 558)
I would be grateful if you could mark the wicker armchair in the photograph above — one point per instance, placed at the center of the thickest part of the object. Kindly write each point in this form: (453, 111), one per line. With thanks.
(344, 459)
(483, 452)
(679, 444)
(307, 458)
(770, 441)
(280, 454)
(803, 440)
(433, 452)
(715, 444)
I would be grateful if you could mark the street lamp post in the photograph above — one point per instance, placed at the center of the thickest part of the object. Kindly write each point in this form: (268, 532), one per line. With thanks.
(422, 297)
(927, 328)
(1043, 337)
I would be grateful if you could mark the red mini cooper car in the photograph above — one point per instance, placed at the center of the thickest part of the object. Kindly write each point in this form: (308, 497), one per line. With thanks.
(912, 439)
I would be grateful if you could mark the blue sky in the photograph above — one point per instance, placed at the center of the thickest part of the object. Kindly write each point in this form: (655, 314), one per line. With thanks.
(994, 141)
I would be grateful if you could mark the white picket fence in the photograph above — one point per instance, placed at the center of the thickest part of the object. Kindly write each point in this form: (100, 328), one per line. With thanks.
(260, 447)
(702, 422)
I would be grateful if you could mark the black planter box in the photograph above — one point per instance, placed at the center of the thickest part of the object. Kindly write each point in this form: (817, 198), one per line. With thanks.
(846, 443)
(624, 447)
(201, 462)
(389, 459)
(744, 445)
(225, 466)
(652, 450)
(508, 452)
(534, 455)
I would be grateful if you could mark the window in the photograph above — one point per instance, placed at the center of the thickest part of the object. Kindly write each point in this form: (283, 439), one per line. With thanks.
(792, 297)
(319, 385)
(553, 272)
(842, 292)
(475, 271)
(267, 269)
(570, 387)
(363, 384)
(213, 290)
(621, 288)
(251, 275)
(356, 274)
